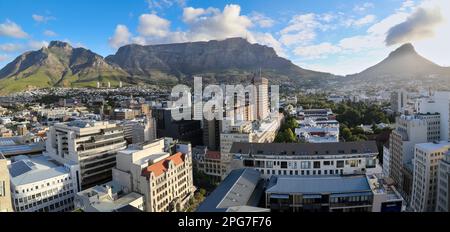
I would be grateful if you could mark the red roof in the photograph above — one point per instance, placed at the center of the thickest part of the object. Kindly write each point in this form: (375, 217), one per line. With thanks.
(162, 166)
(212, 155)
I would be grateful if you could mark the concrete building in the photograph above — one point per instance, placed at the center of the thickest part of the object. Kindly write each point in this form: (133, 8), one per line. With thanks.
(425, 181)
(438, 103)
(5, 192)
(241, 191)
(207, 162)
(443, 187)
(22, 130)
(139, 131)
(161, 171)
(41, 184)
(92, 145)
(262, 97)
(123, 114)
(410, 130)
(307, 159)
(211, 134)
(399, 100)
(246, 132)
(108, 197)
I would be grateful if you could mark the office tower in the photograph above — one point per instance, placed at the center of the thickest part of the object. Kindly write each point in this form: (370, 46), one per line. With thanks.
(399, 99)
(438, 103)
(262, 96)
(183, 130)
(426, 162)
(410, 130)
(92, 145)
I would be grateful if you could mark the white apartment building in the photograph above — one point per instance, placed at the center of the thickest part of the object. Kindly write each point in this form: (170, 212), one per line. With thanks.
(426, 162)
(92, 145)
(443, 197)
(438, 103)
(159, 172)
(307, 159)
(410, 130)
(40, 184)
(263, 131)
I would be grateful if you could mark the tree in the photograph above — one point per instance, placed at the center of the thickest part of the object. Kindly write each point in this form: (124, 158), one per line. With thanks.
(346, 133)
(290, 136)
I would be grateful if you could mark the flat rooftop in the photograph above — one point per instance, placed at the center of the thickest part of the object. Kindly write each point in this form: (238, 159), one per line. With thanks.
(26, 170)
(242, 187)
(359, 147)
(318, 184)
(433, 146)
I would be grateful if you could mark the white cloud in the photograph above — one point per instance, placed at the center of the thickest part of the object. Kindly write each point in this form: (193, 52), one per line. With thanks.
(318, 51)
(11, 29)
(302, 28)
(153, 25)
(360, 22)
(268, 40)
(50, 33)
(261, 20)
(420, 25)
(42, 18)
(363, 7)
(34, 45)
(10, 47)
(121, 36)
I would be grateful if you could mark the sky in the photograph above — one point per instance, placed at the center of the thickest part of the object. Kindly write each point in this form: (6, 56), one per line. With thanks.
(337, 36)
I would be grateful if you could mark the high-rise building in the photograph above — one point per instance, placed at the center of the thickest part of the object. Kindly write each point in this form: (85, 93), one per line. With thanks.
(5, 192)
(410, 130)
(443, 184)
(399, 100)
(426, 161)
(262, 96)
(92, 145)
(438, 103)
(41, 184)
(211, 134)
(183, 130)
(386, 160)
(161, 171)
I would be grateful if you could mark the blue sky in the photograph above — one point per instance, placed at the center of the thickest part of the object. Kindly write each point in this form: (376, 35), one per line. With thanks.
(341, 37)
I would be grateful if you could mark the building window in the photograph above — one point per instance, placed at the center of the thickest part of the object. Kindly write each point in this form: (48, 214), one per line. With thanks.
(316, 164)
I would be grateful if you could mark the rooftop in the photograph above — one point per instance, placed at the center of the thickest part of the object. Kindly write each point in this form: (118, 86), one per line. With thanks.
(431, 147)
(26, 170)
(162, 166)
(318, 184)
(305, 148)
(242, 187)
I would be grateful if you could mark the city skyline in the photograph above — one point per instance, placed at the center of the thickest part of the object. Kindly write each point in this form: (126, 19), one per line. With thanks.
(332, 37)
